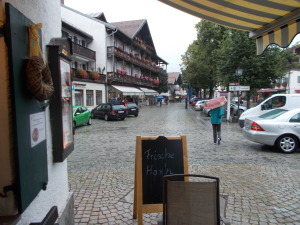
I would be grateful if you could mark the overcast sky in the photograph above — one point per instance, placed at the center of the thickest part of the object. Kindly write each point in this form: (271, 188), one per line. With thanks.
(172, 30)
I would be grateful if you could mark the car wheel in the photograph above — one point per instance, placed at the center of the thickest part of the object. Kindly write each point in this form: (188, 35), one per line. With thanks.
(89, 121)
(136, 115)
(239, 112)
(287, 143)
(123, 118)
(106, 117)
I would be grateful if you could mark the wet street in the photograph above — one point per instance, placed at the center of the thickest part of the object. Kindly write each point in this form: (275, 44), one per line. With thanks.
(262, 185)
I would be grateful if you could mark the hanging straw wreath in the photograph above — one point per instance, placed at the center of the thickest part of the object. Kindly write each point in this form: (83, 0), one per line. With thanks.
(38, 75)
(39, 80)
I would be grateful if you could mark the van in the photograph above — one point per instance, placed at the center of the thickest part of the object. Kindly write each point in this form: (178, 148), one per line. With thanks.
(275, 101)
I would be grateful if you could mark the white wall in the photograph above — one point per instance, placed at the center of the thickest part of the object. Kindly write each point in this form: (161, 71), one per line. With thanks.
(92, 27)
(294, 85)
(89, 86)
(48, 13)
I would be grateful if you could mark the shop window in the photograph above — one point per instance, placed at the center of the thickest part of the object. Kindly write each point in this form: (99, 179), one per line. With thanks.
(78, 97)
(89, 97)
(98, 97)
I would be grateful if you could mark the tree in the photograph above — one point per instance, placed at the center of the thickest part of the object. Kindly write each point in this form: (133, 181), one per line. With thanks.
(213, 58)
(200, 59)
(163, 82)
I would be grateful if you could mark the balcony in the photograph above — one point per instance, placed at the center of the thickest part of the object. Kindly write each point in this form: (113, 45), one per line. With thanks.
(90, 76)
(83, 51)
(134, 59)
(122, 77)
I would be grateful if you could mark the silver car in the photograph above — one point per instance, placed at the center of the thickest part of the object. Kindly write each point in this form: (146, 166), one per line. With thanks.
(278, 127)
(200, 104)
(234, 109)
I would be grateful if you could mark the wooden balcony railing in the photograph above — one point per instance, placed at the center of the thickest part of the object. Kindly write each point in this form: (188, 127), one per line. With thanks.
(83, 51)
(134, 59)
(117, 77)
(88, 76)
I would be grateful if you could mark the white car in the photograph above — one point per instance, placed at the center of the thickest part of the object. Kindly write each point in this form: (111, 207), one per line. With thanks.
(278, 127)
(200, 104)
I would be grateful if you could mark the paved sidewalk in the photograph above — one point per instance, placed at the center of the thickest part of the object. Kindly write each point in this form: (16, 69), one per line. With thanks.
(262, 185)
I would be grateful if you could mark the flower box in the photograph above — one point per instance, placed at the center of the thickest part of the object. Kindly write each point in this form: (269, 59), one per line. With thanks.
(81, 73)
(94, 75)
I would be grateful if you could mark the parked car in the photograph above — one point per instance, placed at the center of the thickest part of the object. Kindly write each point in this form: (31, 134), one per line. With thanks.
(133, 109)
(109, 111)
(195, 100)
(289, 101)
(237, 110)
(278, 127)
(81, 115)
(200, 104)
(234, 109)
(235, 100)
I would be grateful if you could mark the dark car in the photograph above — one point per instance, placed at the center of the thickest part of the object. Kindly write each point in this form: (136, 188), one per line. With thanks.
(109, 111)
(133, 109)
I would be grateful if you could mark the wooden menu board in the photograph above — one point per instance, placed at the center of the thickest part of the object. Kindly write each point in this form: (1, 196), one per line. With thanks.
(156, 157)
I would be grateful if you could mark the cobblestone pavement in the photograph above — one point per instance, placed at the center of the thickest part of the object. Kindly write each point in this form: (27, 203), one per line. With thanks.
(262, 184)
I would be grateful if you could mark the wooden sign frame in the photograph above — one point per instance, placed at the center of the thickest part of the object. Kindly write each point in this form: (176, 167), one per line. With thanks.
(139, 207)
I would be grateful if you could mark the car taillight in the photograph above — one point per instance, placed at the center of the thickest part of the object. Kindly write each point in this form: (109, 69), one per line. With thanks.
(255, 126)
(112, 112)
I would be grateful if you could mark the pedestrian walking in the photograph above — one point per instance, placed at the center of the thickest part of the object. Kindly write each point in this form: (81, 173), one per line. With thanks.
(216, 121)
(216, 113)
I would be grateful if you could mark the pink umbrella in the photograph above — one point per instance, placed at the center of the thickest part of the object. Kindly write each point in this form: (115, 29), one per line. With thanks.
(215, 102)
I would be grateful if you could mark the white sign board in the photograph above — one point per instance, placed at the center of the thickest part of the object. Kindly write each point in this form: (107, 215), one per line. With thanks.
(239, 88)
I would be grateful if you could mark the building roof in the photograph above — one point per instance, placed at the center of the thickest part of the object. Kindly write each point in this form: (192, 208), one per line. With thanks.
(98, 15)
(172, 77)
(130, 28)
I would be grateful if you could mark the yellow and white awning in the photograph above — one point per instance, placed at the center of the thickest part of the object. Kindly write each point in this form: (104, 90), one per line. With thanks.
(268, 21)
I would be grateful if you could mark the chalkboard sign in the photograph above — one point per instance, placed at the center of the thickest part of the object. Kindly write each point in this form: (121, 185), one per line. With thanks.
(155, 158)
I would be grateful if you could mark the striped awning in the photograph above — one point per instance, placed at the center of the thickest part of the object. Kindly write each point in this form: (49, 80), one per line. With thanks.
(268, 21)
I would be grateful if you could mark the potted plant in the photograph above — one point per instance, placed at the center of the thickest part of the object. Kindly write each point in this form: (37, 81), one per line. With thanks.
(81, 73)
(94, 75)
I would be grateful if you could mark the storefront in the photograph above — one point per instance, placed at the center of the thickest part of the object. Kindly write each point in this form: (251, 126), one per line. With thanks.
(88, 94)
(149, 97)
(122, 93)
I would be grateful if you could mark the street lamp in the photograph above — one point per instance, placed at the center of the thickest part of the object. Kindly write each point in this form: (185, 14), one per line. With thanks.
(239, 72)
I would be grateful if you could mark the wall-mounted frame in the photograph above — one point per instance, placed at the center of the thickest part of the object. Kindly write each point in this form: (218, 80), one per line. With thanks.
(59, 51)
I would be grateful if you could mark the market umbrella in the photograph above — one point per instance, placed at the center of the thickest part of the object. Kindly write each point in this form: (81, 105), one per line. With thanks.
(160, 96)
(215, 102)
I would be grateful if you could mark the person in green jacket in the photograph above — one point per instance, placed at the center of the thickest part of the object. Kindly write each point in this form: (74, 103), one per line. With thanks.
(216, 121)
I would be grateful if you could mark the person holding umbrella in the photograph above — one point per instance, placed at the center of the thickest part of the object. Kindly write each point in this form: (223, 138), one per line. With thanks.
(216, 113)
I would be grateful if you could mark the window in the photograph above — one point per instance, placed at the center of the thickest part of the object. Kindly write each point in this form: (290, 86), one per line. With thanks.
(78, 97)
(295, 118)
(83, 43)
(98, 97)
(274, 103)
(273, 114)
(89, 97)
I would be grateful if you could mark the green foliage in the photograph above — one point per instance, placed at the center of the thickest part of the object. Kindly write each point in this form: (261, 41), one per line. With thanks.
(212, 59)
(163, 82)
